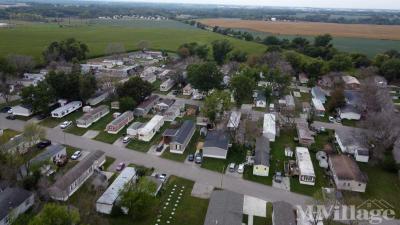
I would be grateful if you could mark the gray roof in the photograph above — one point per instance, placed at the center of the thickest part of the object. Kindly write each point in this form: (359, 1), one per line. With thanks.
(262, 151)
(65, 181)
(349, 109)
(260, 96)
(184, 132)
(318, 93)
(350, 137)
(353, 97)
(216, 138)
(170, 132)
(136, 125)
(225, 208)
(283, 213)
(11, 198)
(149, 102)
(346, 168)
(50, 152)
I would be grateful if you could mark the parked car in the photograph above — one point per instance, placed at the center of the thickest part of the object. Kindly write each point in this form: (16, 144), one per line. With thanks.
(240, 168)
(65, 124)
(161, 177)
(198, 159)
(41, 117)
(11, 117)
(76, 155)
(43, 144)
(331, 119)
(278, 177)
(5, 109)
(120, 166)
(10, 111)
(190, 157)
(126, 139)
(232, 167)
(160, 147)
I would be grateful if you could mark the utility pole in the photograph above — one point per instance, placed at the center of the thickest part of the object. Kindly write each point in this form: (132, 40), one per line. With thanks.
(222, 175)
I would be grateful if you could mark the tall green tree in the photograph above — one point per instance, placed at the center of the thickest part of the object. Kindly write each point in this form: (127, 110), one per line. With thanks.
(216, 103)
(34, 133)
(39, 97)
(221, 48)
(67, 50)
(242, 87)
(126, 103)
(390, 69)
(87, 86)
(7, 71)
(204, 76)
(135, 88)
(55, 214)
(323, 40)
(340, 62)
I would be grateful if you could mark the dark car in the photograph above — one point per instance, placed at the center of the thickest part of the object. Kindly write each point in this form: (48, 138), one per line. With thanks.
(191, 158)
(41, 116)
(120, 166)
(10, 117)
(5, 109)
(43, 144)
(198, 158)
(160, 147)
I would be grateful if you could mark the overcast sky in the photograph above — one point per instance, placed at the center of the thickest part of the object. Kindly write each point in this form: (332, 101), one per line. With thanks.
(359, 4)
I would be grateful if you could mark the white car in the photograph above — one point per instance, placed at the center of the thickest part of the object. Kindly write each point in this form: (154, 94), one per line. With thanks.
(126, 139)
(65, 124)
(76, 155)
(240, 168)
(10, 111)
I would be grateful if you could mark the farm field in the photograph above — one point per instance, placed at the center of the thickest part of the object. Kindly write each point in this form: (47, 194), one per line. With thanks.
(32, 38)
(368, 46)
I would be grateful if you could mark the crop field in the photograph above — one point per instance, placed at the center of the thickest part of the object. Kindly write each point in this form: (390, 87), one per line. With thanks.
(32, 38)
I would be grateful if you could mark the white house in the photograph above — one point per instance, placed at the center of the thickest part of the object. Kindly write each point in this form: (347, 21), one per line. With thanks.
(269, 126)
(22, 110)
(319, 108)
(97, 98)
(92, 116)
(306, 169)
(216, 145)
(14, 202)
(349, 112)
(167, 85)
(106, 201)
(66, 109)
(174, 111)
(234, 120)
(147, 132)
(133, 129)
(187, 90)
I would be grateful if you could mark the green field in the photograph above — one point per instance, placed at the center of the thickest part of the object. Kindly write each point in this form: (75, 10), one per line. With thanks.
(32, 38)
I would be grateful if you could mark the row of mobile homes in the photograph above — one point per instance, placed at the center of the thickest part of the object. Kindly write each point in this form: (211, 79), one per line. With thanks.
(346, 174)
(106, 201)
(97, 98)
(133, 129)
(144, 108)
(22, 110)
(118, 123)
(32, 79)
(306, 168)
(167, 85)
(187, 90)
(68, 184)
(14, 202)
(234, 120)
(66, 109)
(319, 108)
(352, 142)
(261, 157)
(304, 134)
(182, 137)
(269, 126)
(216, 145)
(92, 116)
(147, 132)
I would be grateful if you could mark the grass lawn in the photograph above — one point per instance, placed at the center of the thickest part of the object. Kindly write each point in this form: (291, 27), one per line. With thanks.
(99, 125)
(259, 220)
(190, 149)
(105, 137)
(236, 154)
(143, 146)
(7, 135)
(53, 122)
(350, 123)
(109, 161)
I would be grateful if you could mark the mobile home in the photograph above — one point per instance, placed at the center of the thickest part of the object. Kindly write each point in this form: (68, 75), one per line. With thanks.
(306, 169)
(118, 123)
(90, 117)
(147, 132)
(66, 109)
(167, 85)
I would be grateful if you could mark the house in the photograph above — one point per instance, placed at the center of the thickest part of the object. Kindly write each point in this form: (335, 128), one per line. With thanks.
(174, 111)
(14, 202)
(319, 108)
(216, 144)
(260, 101)
(349, 112)
(261, 157)
(290, 105)
(133, 129)
(22, 110)
(151, 78)
(269, 126)
(187, 90)
(66, 109)
(167, 85)
(115, 105)
(92, 116)
(163, 104)
(351, 82)
(305, 165)
(32, 79)
(303, 78)
(144, 108)
(319, 94)
(346, 174)
(97, 98)
(304, 134)
(16, 144)
(164, 74)
(353, 98)
(352, 142)
(52, 154)
(182, 137)
(147, 132)
(234, 120)
(283, 214)
(106, 201)
(66, 185)
(225, 208)
(118, 123)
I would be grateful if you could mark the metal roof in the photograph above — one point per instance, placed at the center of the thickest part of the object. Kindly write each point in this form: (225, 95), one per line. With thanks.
(225, 208)
(11, 198)
(184, 132)
(216, 138)
(262, 151)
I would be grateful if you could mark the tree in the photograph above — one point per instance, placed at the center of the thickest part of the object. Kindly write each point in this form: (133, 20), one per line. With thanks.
(87, 86)
(21, 63)
(300, 43)
(126, 103)
(56, 214)
(115, 49)
(39, 97)
(204, 76)
(340, 62)
(7, 71)
(360, 60)
(242, 87)
(183, 52)
(238, 56)
(323, 40)
(315, 68)
(193, 49)
(67, 50)
(138, 198)
(135, 88)
(143, 45)
(390, 69)
(216, 103)
(295, 60)
(33, 133)
(337, 100)
(271, 40)
(380, 59)
(221, 48)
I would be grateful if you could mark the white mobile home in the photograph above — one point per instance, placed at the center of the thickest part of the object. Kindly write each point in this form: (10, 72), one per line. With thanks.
(319, 108)
(66, 109)
(92, 116)
(133, 129)
(147, 132)
(106, 202)
(167, 85)
(234, 120)
(187, 90)
(306, 169)
(269, 127)
(22, 110)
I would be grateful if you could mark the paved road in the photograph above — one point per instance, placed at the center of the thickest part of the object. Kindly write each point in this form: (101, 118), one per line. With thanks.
(171, 167)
